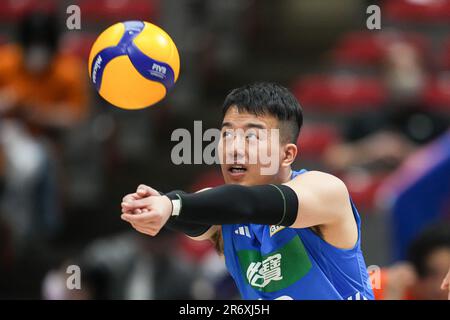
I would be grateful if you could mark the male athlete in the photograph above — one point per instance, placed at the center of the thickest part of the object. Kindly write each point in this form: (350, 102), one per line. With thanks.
(285, 235)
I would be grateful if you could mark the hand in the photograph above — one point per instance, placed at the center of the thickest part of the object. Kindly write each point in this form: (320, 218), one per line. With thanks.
(155, 211)
(446, 284)
(142, 191)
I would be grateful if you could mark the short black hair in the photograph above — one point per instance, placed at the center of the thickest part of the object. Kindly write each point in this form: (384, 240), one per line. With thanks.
(266, 98)
(434, 237)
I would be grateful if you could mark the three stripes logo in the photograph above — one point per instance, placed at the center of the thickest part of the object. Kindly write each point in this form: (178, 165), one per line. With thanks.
(357, 296)
(243, 231)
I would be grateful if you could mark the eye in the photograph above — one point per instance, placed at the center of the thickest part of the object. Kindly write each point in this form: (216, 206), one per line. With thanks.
(227, 134)
(251, 136)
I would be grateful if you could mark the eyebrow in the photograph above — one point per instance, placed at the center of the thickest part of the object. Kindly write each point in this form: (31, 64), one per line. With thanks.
(247, 126)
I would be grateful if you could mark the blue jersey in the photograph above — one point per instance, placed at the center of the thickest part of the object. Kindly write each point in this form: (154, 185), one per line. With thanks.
(275, 262)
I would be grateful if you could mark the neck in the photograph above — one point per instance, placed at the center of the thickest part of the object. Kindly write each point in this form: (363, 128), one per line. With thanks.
(284, 175)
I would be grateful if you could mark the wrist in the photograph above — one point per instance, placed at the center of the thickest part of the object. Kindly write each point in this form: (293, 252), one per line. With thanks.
(167, 205)
(175, 199)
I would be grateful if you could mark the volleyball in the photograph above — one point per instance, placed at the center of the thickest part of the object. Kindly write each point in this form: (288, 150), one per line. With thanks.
(133, 64)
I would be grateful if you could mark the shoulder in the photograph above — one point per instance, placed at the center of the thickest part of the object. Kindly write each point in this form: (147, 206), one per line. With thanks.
(325, 182)
(323, 191)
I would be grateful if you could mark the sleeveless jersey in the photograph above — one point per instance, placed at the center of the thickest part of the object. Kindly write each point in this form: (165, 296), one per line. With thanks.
(275, 262)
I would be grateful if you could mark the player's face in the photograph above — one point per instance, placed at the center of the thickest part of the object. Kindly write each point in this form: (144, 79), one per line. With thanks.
(249, 148)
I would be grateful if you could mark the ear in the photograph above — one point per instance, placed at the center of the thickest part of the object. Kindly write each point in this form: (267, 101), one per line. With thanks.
(289, 154)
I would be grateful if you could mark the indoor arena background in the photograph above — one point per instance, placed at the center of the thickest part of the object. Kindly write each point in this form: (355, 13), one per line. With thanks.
(377, 110)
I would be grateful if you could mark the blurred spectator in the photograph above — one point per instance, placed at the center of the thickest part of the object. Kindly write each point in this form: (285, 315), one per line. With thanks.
(381, 141)
(42, 93)
(420, 278)
(134, 266)
(43, 98)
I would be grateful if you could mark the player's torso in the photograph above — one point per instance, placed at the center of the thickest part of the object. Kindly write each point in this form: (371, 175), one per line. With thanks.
(273, 262)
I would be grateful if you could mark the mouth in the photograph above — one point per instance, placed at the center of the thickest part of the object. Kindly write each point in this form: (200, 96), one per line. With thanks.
(237, 170)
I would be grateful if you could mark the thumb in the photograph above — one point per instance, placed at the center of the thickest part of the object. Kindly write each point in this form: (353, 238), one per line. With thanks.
(146, 191)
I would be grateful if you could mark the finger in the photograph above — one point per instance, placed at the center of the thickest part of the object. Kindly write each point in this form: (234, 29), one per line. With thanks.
(137, 204)
(144, 228)
(145, 191)
(127, 212)
(125, 208)
(130, 197)
(146, 217)
(139, 211)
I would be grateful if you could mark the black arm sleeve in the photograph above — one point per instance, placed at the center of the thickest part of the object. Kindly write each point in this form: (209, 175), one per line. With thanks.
(232, 204)
(188, 228)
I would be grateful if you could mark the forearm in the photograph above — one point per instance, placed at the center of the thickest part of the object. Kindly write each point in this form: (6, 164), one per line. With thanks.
(233, 204)
(188, 228)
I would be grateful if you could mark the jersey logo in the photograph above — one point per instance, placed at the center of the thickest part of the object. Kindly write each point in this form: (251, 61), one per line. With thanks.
(357, 296)
(243, 231)
(259, 274)
(275, 270)
(274, 229)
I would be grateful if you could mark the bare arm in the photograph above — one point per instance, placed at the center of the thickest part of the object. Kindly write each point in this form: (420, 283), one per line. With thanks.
(323, 199)
(325, 202)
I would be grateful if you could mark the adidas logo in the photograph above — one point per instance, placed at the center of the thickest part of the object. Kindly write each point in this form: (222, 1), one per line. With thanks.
(243, 231)
(357, 296)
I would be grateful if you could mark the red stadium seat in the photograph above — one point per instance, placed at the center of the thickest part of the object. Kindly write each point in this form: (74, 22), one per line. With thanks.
(315, 138)
(428, 11)
(358, 48)
(339, 93)
(369, 48)
(437, 93)
(11, 10)
(117, 10)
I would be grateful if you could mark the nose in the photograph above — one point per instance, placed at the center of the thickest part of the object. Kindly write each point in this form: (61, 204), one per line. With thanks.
(235, 150)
